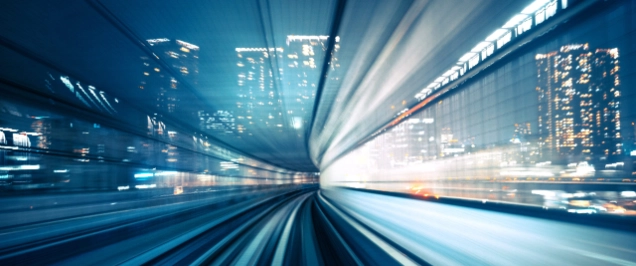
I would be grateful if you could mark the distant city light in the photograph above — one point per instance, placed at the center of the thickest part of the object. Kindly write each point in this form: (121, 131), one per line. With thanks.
(428, 120)
(229, 165)
(628, 194)
(307, 37)
(68, 83)
(144, 186)
(20, 167)
(143, 175)
(155, 41)
(297, 122)
(188, 45)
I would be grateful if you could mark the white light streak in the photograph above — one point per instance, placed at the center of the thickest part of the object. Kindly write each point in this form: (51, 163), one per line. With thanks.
(188, 45)
(159, 40)
(68, 83)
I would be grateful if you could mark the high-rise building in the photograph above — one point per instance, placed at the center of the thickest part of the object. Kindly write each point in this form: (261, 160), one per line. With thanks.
(271, 77)
(182, 57)
(579, 100)
(259, 103)
(302, 73)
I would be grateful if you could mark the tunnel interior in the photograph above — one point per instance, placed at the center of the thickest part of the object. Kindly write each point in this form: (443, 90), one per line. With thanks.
(337, 132)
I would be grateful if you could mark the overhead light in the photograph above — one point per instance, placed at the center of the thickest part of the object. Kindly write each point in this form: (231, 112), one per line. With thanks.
(536, 5)
(466, 57)
(514, 21)
(495, 35)
(480, 46)
(449, 72)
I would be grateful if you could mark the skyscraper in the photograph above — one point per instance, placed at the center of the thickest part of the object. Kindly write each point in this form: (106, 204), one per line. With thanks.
(271, 77)
(180, 56)
(302, 73)
(259, 101)
(579, 100)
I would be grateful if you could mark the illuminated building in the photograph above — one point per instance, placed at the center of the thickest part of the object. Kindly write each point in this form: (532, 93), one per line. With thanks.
(263, 89)
(183, 58)
(527, 143)
(579, 97)
(259, 101)
(303, 68)
(522, 130)
(43, 129)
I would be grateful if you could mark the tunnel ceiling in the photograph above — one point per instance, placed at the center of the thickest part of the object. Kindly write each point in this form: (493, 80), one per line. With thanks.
(248, 73)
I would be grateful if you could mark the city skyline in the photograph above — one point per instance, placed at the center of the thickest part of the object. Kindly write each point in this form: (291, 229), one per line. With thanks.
(283, 97)
(578, 102)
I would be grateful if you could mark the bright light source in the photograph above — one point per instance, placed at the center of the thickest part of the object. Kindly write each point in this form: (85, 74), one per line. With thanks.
(466, 57)
(309, 37)
(297, 122)
(146, 186)
(514, 21)
(628, 194)
(536, 5)
(20, 167)
(188, 45)
(143, 175)
(166, 173)
(480, 46)
(448, 73)
(67, 82)
(495, 35)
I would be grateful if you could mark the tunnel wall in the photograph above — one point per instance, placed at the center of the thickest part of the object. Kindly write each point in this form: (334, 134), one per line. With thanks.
(552, 118)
